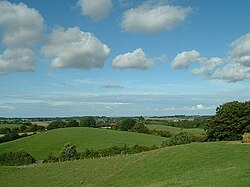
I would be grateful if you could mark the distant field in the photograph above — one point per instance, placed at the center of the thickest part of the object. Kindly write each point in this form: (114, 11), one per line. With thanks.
(176, 130)
(196, 164)
(40, 145)
(11, 126)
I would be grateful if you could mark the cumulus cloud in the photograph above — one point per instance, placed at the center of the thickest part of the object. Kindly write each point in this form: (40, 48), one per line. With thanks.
(21, 29)
(73, 48)
(136, 60)
(240, 50)
(208, 66)
(97, 9)
(150, 18)
(111, 85)
(232, 72)
(185, 59)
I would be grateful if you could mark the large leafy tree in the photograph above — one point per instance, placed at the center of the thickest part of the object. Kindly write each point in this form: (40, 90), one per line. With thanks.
(127, 123)
(230, 122)
(88, 121)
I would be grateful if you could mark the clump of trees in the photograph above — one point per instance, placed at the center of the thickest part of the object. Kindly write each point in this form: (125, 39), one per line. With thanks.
(62, 124)
(16, 158)
(88, 121)
(178, 139)
(231, 121)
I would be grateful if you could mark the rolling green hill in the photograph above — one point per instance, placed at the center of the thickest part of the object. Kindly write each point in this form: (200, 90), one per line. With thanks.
(196, 164)
(40, 145)
(176, 130)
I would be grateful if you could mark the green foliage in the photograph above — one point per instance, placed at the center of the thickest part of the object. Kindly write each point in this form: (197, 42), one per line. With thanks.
(88, 121)
(73, 123)
(127, 124)
(51, 159)
(140, 128)
(68, 152)
(9, 137)
(230, 122)
(56, 124)
(178, 139)
(16, 158)
(5, 130)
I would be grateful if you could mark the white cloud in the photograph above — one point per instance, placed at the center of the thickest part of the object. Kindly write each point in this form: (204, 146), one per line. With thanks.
(232, 72)
(185, 59)
(199, 107)
(20, 59)
(149, 18)
(111, 85)
(208, 66)
(21, 29)
(136, 59)
(95, 9)
(240, 50)
(73, 48)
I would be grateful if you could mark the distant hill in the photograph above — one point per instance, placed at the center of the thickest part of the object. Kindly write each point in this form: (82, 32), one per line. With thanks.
(40, 145)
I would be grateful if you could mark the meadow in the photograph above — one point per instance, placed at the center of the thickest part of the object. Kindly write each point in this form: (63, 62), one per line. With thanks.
(175, 130)
(41, 144)
(196, 164)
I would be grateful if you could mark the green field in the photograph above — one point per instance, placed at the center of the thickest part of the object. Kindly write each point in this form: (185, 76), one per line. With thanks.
(40, 145)
(11, 126)
(196, 164)
(176, 130)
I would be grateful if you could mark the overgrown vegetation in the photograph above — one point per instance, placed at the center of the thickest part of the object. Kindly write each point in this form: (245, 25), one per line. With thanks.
(16, 158)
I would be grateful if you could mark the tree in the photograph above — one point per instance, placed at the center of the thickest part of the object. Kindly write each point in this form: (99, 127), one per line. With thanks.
(68, 152)
(127, 123)
(73, 123)
(230, 122)
(56, 124)
(88, 121)
(141, 128)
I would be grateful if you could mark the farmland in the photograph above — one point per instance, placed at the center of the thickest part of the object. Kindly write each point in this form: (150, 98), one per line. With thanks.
(196, 164)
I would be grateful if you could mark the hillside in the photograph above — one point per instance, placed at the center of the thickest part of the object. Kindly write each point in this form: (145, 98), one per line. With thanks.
(175, 130)
(197, 164)
(40, 145)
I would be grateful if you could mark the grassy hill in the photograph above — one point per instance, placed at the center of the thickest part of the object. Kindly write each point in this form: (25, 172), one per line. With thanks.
(176, 130)
(11, 126)
(40, 145)
(197, 164)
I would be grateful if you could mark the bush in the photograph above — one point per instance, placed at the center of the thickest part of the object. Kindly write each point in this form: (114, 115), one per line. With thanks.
(178, 139)
(51, 158)
(68, 152)
(72, 123)
(5, 130)
(16, 158)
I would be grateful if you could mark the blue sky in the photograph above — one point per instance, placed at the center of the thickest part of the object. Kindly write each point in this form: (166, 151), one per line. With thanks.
(122, 57)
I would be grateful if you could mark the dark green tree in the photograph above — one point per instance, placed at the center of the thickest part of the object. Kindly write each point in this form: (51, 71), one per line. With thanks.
(56, 124)
(127, 123)
(88, 121)
(73, 123)
(230, 122)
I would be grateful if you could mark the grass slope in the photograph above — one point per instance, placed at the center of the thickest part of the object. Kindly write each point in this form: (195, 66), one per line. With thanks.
(176, 130)
(197, 164)
(11, 126)
(40, 145)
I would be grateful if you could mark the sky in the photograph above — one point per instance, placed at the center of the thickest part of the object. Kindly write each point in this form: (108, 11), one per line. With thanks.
(122, 57)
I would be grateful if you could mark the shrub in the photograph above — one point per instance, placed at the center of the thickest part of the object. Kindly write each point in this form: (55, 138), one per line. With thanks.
(127, 123)
(68, 152)
(72, 123)
(178, 139)
(51, 158)
(56, 124)
(16, 158)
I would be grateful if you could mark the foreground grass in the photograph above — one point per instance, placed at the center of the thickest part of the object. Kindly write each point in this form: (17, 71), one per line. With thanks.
(176, 130)
(197, 164)
(40, 145)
